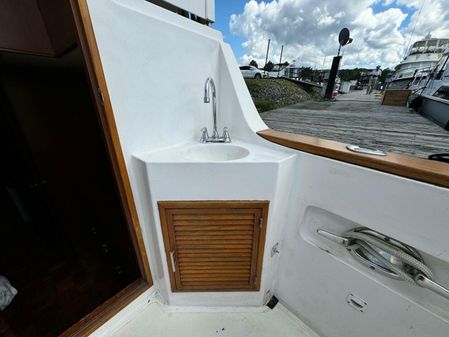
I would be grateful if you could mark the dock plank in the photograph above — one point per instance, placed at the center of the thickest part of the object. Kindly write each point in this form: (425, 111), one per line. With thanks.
(356, 118)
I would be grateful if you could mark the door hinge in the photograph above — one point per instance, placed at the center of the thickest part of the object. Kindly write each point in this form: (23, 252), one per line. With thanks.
(173, 264)
(100, 95)
(260, 223)
(275, 249)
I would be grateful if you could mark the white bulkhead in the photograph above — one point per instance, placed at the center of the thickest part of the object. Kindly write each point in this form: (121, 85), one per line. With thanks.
(156, 63)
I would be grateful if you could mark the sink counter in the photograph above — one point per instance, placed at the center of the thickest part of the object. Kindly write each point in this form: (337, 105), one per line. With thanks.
(193, 171)
(223, 153)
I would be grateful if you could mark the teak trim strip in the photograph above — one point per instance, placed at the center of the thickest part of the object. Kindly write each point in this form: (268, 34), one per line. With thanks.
(88, 324)
(424, 170)
(104, 107)
(107, 310)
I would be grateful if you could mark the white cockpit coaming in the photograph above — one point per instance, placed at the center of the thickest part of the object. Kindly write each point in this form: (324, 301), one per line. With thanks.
(155, 63)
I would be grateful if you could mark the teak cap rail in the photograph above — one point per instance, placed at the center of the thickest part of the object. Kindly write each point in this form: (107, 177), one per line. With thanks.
(424, 170)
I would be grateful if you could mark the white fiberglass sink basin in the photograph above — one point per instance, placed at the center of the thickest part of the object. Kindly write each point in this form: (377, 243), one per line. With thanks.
(215, 152)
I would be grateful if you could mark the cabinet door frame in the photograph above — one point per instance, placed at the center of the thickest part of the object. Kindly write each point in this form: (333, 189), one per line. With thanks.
(103, 105)
(258, 207)
(100, 95)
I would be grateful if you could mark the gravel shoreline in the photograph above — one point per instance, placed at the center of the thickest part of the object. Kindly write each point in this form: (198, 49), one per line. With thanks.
(274, 93)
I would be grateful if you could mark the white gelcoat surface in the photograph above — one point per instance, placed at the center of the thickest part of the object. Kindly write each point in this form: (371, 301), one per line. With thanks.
(181, 153)
(158, 104)
(215, 152)
(315, 275)
(126, 315)
(159, 109)
(261, 175)
(156, 320)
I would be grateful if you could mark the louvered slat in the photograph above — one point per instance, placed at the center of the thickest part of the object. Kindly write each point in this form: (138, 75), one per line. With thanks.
(200, 238)
(215, 245)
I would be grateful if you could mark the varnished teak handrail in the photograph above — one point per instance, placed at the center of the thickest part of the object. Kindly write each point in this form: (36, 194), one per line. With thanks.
(424, 170)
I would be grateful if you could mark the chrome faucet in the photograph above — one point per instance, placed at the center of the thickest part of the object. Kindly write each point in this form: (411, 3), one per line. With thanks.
(225, 138)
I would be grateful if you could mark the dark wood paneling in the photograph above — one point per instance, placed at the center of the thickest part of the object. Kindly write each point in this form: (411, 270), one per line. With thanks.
(409, 167)
(214, 245)
(100, 315)
(41, 27)
(73, 250)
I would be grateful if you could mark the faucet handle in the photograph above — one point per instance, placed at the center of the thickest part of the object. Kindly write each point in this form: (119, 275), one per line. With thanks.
(204, 135)
(226, 136)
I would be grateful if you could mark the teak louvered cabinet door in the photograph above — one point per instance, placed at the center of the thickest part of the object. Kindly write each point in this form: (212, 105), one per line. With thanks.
(214, 245)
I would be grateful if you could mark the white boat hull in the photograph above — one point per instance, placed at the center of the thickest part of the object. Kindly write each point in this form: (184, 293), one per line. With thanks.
(436, 109)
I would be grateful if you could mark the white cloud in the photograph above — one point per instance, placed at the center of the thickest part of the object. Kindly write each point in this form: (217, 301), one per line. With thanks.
(309, 29)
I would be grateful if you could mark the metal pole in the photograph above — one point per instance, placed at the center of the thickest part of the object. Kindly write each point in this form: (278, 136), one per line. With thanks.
(280, 59)
(332, 76)
(324, 62)
(322, 69)
(266, 56)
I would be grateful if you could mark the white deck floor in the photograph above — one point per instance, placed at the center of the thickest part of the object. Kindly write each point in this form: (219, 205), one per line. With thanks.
(156, 320)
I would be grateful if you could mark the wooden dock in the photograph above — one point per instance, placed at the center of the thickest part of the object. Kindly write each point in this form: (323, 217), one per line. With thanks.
(357, 118)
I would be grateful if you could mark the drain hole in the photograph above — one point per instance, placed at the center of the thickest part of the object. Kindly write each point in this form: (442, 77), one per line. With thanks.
(272, 303)
(357, 305)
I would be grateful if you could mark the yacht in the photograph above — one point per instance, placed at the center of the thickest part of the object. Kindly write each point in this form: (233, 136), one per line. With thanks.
(421, 58)
(435, 93)
(227, 227)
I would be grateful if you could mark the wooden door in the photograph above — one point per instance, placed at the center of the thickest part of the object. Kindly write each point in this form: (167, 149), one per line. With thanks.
(214, 245)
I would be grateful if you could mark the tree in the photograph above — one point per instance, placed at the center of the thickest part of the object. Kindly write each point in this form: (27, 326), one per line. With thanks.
(269, 66)
(349, 74)
(253, 63)
(307, 73)
(384, 74)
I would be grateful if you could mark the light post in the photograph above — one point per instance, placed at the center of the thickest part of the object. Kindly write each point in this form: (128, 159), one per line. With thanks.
(266, 57)
(343, 40)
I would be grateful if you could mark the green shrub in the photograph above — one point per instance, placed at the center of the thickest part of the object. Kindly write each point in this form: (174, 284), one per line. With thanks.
(264, 105)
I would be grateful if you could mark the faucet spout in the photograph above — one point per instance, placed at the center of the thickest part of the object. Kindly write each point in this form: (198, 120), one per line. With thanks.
(208, 87)
(209, 90)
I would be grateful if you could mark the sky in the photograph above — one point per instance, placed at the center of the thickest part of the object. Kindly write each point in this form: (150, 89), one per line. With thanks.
(382, 29)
